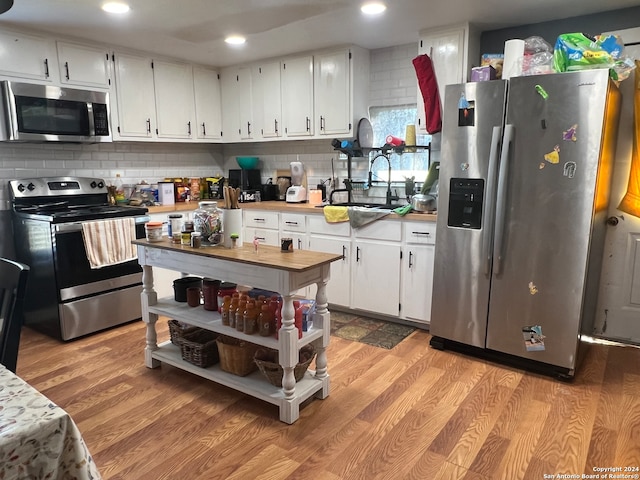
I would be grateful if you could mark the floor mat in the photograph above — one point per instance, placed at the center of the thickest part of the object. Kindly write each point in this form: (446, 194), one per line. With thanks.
(368, 330)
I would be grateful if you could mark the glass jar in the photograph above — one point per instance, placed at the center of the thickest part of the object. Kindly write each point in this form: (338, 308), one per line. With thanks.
(207, 220)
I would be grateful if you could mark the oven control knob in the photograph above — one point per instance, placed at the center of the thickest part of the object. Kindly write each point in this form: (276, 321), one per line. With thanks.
(100, 185)
(21, 188)
(31, 187)
(93, 184)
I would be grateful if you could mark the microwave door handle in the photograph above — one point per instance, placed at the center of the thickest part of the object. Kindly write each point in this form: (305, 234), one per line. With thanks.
(492, 177)
(501, 200)
(92, 125)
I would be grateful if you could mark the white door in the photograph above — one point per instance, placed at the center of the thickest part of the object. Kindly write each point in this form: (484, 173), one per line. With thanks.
(332, 93)
(136, 102)
(417, 282)
(339, 286)
(173, 84)
(267, 99)
(206, 86)
(25, 56)
(618, 310)
(376, 277)
(245, 102)
(83, 65)
(297, 96)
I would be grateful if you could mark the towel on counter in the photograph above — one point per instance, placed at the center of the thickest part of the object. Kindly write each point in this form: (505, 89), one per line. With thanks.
(333, 214)
(429, 89)
(108, 242)
(359, 217)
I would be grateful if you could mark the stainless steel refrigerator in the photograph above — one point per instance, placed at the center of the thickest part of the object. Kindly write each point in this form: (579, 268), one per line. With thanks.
(525, 172)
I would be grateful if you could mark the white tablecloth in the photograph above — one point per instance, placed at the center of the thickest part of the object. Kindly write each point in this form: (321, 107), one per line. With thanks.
(38, 439)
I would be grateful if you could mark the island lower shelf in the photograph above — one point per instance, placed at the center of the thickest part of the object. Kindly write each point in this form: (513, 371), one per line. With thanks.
(253, 384)
(211, 320)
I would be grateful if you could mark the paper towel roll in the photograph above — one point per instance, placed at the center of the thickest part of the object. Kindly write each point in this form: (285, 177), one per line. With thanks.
(513, 57)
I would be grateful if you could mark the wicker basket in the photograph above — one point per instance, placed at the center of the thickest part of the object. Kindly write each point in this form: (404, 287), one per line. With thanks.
(177, 330)
(267, 362)
(200, 348)
(236, 356)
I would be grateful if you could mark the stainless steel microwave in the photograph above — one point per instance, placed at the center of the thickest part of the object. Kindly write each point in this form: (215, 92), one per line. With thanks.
(46, 113)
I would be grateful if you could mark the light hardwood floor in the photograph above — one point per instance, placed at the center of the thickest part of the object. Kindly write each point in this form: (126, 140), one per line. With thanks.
(407, 413)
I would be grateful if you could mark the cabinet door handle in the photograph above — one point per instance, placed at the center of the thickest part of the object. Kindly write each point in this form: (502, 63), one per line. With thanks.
(66, 67)
(357, 254)
(248, 128)
(46, 68)
(259, 220)
(308, 124)
(189, 128)
(276, 126)
(299, 244)
(410, 259)
(321, 122)
(344, 253)
(262, 239)
(148, 125)
(291, 223)
(421, 233)
(204, 130)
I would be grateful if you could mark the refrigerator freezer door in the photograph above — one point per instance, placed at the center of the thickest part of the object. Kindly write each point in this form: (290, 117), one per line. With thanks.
(473, 116)
(538, 293)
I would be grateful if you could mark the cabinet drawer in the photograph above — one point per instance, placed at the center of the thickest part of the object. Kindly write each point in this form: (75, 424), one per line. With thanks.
(264, 236)
(293, 222)
(261, 219)
(420, 233)
(318, 224)
(381, 230)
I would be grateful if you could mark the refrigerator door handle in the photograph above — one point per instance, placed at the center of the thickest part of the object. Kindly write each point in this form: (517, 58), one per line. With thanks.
(492, 176)
(501, 199)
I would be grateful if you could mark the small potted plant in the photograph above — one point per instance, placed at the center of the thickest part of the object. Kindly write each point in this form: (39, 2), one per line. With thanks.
(234, 240)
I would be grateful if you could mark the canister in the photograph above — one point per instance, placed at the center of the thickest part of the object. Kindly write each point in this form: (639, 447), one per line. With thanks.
(153, 231)
(175, 223)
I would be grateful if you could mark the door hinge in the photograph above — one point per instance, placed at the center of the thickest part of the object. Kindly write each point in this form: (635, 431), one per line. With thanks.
(218, 76)
(107, 56)
(399, 307)
(151, 63)
(113, 57)
(349, 54)
(156, 131)
(400, 254)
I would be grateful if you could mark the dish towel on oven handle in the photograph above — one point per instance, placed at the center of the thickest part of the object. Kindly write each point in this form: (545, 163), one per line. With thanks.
(429, 89)
(108, 242)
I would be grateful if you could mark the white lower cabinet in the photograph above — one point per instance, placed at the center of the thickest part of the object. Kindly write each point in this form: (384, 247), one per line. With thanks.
(416, 274)
(375, 263)
(333, 238)
(387, 266)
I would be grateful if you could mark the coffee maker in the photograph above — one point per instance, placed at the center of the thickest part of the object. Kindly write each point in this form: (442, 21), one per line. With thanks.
(297, 192)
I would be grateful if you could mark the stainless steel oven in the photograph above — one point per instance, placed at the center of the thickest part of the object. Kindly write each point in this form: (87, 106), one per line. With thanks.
(66, 298)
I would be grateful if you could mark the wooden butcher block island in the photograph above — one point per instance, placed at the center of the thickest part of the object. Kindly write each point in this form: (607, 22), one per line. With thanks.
(267, 268)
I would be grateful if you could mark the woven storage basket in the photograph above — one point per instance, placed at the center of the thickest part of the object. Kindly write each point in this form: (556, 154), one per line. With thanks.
(236, 356)
(177, 330)
(267, 362)
(200, 348)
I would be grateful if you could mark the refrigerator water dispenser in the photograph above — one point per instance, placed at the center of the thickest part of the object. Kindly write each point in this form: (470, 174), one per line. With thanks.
(466, 196)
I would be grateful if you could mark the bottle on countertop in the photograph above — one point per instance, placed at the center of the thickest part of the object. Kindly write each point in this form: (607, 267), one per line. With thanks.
(120, 198)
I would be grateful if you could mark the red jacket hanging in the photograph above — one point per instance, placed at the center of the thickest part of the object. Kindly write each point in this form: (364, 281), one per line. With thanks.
(429, 88)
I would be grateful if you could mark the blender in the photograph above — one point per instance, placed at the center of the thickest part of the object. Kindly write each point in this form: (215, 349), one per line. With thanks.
(297, 192)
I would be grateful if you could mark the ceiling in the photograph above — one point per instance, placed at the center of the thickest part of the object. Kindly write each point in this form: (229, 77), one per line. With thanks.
(194, 30)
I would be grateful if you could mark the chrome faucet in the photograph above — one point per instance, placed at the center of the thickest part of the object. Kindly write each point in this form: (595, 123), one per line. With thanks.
(389, 196)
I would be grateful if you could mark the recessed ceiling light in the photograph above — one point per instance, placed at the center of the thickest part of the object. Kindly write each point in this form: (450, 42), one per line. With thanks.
(373, 8)
(235, 39)
(115, 7)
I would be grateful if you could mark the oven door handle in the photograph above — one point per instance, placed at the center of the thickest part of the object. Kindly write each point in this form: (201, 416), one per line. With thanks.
(77, 226)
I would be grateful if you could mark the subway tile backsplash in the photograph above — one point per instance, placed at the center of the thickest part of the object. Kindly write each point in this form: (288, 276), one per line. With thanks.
(392, 82)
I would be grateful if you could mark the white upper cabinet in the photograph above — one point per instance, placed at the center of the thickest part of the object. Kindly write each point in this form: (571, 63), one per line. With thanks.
(135, 97)
(206, 85)
(332, 103)
(84, 65)
(267, 99)
(453, 51)
(237, 104)
(174, 99)
(297, 96)
(27, 56)
(341, 83)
